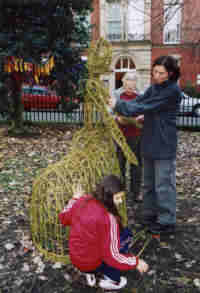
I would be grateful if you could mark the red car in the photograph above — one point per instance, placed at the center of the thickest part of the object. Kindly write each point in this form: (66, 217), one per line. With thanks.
(40, 98)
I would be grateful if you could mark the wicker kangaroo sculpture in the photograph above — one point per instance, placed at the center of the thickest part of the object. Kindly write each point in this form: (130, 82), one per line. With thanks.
(92, 156)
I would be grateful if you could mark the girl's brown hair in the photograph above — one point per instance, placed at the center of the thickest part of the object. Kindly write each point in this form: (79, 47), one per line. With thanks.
(104, 192)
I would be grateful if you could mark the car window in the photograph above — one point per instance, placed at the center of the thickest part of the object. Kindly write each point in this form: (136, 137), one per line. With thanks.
(35, 91)
(40, 92)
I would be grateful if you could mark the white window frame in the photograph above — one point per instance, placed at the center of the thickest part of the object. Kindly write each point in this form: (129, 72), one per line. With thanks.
(138, 7)
(176, 39)
(122, 68)
(108, 9)
(125, 35)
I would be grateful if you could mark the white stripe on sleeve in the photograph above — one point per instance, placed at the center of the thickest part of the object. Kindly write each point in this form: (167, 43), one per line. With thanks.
(114, 245)
(70, 204)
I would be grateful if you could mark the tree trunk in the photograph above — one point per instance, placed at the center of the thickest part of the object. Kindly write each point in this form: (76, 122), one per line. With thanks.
(18, 113)
(17, 122)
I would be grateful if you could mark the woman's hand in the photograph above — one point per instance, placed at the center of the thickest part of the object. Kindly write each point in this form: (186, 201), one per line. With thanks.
(140, 118)
(142, 266)
(112, 102)
(121, 120)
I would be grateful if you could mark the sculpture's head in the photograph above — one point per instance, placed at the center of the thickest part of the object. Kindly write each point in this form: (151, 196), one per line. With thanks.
(99, 58)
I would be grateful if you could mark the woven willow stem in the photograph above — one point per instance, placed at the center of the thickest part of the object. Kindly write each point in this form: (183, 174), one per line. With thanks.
(146, 243)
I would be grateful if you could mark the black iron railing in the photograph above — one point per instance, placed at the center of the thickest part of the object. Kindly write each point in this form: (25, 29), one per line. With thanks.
(49, 109)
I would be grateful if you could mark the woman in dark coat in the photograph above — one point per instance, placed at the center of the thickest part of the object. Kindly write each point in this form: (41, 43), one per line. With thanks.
(159, 104)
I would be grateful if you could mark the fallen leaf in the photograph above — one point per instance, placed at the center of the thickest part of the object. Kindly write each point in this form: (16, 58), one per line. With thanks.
(43, 278)
(197, 282)
(57, 265)
(9, 246)
(26, 268)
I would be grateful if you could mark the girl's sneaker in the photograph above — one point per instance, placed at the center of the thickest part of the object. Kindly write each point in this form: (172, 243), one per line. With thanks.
(110, 284)
(91, 279)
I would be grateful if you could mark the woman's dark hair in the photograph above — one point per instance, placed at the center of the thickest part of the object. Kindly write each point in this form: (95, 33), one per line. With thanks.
(171, 66)
(104, 192)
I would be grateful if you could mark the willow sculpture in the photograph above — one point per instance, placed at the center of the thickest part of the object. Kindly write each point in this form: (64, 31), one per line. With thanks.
(92, 156)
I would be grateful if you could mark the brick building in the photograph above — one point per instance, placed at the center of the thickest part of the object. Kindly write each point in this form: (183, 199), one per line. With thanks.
(141, 30)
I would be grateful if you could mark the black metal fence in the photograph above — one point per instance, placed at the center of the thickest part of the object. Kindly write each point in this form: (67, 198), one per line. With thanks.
(189, 113)
(76, 117)
(50, 110)
(41, 106)
(188, 121)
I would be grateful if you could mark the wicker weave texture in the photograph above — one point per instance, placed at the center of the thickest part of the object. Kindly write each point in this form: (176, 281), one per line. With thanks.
(91, 157)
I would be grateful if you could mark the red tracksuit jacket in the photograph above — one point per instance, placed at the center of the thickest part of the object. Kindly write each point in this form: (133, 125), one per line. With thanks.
(94, 236)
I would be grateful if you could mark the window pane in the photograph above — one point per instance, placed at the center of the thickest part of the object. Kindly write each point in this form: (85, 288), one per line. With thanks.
(125, 62)
(135, 20)
(118, 65)
(114, 21)
(114, 11)
(172, 22)
(132, 65)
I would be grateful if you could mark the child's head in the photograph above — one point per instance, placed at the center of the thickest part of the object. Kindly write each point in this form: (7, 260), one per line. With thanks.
(110, 192)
